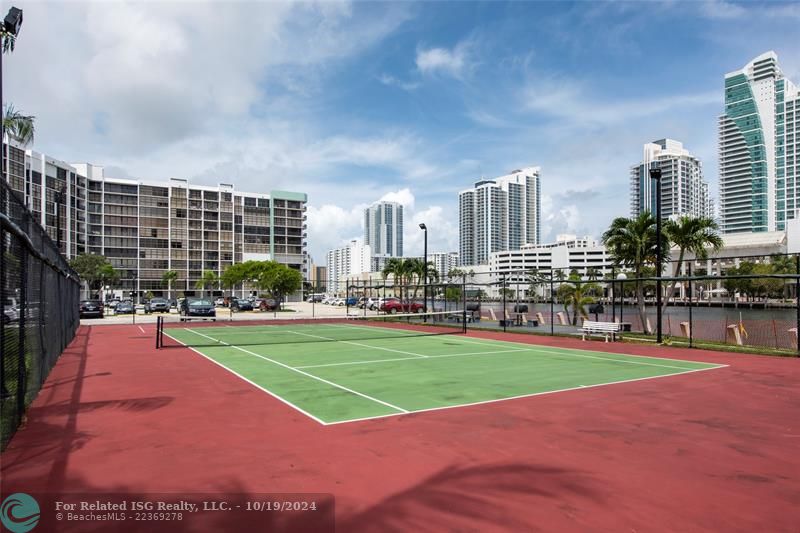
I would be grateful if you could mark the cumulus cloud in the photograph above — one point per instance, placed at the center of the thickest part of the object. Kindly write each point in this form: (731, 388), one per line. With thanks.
(454, 62)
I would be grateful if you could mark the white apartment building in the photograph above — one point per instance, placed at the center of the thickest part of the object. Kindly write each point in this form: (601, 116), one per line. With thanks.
(683, 189)
(383, 232)
(349, 260)
(499, 214)
(145, 228)
(759, 148)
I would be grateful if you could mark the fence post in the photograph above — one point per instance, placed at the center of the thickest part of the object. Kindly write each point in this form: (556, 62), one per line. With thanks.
(503, 290)
(691, 325)
(552, 299)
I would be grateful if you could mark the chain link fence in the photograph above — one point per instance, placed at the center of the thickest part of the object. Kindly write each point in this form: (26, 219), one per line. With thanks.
(40, 295)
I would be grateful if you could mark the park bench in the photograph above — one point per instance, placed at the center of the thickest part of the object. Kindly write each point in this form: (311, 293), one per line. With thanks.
(606, 329)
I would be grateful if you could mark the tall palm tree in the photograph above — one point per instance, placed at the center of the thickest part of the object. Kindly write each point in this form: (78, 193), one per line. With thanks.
(15, 123)
(592, 274)
(396, 267)
(19, 126)
(691, 234)
(632, 243)
(169, 277)
(209, 280)
(576, 293)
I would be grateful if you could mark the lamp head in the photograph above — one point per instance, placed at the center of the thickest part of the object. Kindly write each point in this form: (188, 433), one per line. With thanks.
(423, 226)
(622, 275)
(13, 21)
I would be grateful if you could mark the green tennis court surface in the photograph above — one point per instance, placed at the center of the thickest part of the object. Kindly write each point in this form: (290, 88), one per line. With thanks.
(345, 372)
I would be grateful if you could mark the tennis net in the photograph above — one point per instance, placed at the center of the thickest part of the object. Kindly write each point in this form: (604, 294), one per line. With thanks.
(176, 332)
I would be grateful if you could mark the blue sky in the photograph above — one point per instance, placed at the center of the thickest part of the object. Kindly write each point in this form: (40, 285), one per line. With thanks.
(353, 102)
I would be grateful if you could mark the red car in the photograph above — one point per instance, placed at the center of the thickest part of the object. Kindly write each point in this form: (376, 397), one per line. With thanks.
(393, 305)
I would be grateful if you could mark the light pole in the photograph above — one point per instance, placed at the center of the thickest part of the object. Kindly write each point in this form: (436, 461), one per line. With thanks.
(11, 26)
(655, 174)
(424, 228)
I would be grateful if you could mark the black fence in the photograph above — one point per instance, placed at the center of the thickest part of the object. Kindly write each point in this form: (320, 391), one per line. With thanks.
(759, 311)
(40, 295)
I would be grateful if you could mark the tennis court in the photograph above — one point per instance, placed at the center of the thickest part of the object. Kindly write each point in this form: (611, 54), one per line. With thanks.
(346, 370)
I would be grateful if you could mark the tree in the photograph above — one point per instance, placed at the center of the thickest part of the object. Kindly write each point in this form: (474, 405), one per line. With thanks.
(691, 234)
(109, 277)
(93, 269)
(535, 280)
(632, 243)
(169, 278)
(278, 279)
(456, 273)
(592, 274)
(400, 269)
(576, 293)
(209, 280)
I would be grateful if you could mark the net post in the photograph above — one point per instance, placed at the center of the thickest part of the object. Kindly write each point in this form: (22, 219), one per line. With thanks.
(158, 332)
(691, 326)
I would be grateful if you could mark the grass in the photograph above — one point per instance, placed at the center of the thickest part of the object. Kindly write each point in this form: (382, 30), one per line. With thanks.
(337, 373)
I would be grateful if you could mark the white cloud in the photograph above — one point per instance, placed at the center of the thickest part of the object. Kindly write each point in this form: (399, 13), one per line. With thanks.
(453, 62)
(403, 197)
(391, 81)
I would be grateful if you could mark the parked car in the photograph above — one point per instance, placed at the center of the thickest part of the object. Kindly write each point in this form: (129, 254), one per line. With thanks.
(394, 305)
(113, 303)
(197, 307)
(238, 304)
(264, 304)
(351, 301)
(219, 302)
(10, 311)
(91, 308)
(124, 308)
(159, 305)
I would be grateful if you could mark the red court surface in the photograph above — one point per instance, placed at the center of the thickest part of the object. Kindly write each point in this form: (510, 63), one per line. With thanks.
(707, 451)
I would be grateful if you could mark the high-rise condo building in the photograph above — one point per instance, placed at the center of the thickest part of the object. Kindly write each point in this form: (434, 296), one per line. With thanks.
(383, 232)
(683, 189)
(145, 228)
(759, 139)
(499, 214)
(347, 261)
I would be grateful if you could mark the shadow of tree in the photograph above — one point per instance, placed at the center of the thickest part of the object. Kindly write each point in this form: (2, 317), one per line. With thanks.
(477, 497)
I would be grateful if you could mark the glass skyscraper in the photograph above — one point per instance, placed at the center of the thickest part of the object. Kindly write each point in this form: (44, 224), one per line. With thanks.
(683, 189)
(759, 139)
(383, 232)
(499, 214)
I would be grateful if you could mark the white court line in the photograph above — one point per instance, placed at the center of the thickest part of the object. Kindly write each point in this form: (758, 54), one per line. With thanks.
(358, 344)
(410, 358)
(570, 351)
(256, 385)
(141, 328)
(312, 376)
(579, 387)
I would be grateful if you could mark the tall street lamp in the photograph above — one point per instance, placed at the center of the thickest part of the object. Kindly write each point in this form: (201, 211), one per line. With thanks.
(424, 228)
(655, 174)
(11, 26)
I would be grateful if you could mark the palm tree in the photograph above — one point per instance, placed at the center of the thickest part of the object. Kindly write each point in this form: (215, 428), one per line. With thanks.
(397, 267)
(18, 125)
(15, 123)
(535, 280)
(691, 234)
(592, 274)
(633, 243)
(576, 293)
(169, 277)
(209, 280)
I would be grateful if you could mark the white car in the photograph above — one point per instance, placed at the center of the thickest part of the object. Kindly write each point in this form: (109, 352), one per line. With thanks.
(10, 311)
(219, 301)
